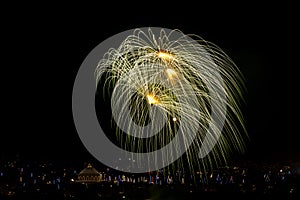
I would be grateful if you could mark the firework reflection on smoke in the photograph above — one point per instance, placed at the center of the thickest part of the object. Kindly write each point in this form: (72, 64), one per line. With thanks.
(160, 85)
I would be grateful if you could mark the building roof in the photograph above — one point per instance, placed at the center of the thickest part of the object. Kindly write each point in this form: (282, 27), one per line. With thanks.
(89, 170)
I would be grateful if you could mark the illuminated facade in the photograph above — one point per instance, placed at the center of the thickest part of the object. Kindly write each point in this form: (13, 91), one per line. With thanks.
(89, 175)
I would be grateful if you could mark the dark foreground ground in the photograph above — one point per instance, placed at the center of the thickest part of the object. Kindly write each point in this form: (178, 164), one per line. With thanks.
(155, 192)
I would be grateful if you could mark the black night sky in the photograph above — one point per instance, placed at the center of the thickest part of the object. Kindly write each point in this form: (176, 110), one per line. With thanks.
(43, 49)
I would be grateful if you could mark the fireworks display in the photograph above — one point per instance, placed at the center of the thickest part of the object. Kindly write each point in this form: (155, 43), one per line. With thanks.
(169, 90)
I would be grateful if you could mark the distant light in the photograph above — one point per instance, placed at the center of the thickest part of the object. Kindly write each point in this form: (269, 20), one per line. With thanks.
(174, 119)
